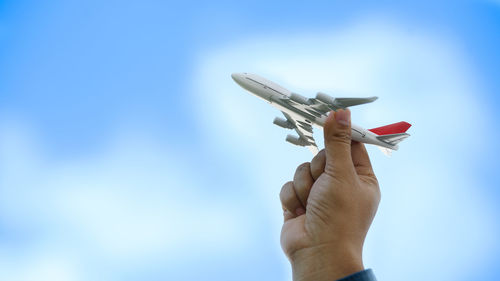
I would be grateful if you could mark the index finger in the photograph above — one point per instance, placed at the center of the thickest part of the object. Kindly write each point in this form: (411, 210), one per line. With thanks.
(318, 164)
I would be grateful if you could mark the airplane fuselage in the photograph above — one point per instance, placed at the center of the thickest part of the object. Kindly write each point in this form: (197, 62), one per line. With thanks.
(275, 95)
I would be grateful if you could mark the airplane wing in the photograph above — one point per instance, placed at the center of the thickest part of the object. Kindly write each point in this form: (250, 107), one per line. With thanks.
(313, 108)
(305, 131)
(346, 102)
(323, 103)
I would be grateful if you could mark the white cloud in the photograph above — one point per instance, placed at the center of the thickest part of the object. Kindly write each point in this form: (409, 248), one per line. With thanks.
(132, 206)
(40, 267)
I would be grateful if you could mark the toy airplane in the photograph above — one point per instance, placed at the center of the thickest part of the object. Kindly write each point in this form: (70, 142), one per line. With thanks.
(301, 113)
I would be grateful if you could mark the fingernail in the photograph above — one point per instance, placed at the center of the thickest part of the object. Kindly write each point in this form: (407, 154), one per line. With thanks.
(343, 117)
(300, 211)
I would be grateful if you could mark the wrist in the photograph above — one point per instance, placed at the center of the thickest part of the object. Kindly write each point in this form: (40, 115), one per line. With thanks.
(325, 262)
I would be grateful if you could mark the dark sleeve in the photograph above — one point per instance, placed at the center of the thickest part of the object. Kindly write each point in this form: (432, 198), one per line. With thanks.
(365, 275)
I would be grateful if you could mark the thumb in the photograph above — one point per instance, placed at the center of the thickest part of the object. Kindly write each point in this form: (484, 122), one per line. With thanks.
(337, 132)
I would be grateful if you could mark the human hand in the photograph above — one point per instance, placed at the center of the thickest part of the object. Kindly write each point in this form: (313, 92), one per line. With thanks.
(329, 206)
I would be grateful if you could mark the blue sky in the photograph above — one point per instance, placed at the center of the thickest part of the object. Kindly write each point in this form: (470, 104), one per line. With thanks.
(128, 153)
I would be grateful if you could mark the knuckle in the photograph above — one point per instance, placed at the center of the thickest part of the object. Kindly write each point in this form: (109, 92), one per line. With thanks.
(318, 157)
(318, 164)
(302, 167)
(373, 181)
(338, 172)
(343, 136)
(285, 193)
(301, 175)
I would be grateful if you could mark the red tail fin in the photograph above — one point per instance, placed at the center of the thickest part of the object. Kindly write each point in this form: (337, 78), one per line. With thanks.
(395, 128)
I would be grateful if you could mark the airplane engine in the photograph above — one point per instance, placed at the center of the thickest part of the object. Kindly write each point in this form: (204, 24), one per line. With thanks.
(299, 98)
(295, 140)
(325, 98)
(283, 123)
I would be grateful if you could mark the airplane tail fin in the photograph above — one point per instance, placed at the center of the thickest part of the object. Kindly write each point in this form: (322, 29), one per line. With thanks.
(396, 128)
(392, 135)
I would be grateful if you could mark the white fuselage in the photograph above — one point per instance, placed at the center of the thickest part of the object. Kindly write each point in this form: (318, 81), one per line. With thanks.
(274, 93)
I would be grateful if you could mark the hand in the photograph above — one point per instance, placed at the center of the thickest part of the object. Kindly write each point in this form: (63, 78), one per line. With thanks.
(329, 206)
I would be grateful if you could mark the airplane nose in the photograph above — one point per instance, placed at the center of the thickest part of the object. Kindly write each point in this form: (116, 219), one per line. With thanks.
(238, 78)
(235, 76)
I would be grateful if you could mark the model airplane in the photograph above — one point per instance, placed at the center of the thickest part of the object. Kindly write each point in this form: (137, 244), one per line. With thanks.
(301, 113)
